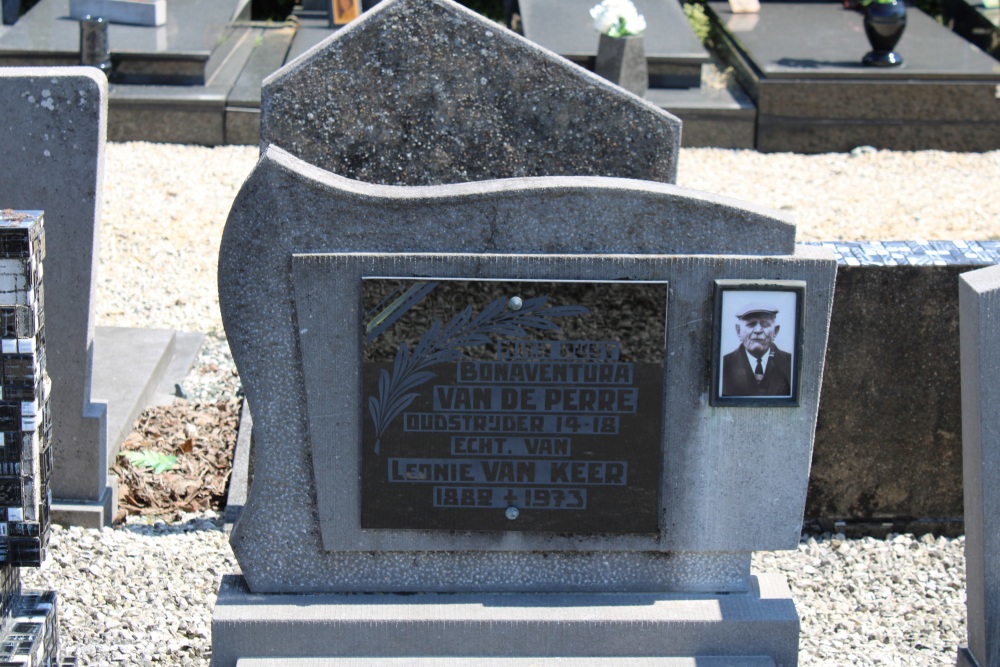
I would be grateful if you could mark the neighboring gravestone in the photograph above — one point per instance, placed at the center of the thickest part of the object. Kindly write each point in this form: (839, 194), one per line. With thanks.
(505, 398)
(28, 632)
(52, 129)
(979, 301)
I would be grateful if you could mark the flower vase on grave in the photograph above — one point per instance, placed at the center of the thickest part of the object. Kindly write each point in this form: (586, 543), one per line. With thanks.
(621, 55)
(622, 61)
(884, 24)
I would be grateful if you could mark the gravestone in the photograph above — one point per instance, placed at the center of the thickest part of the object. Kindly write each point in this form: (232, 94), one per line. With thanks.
(54, 123)
(28, 619)
(485, 374)
(979, 301)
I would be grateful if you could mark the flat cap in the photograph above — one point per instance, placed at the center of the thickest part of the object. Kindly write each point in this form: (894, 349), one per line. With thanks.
(757, 308)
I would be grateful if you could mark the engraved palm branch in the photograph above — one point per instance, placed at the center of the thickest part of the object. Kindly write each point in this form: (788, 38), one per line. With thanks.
(443, 344)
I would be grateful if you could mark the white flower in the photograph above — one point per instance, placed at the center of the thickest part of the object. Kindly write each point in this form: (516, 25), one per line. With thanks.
(617, 18)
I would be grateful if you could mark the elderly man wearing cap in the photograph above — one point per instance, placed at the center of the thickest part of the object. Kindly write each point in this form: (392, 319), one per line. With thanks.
(757, 367)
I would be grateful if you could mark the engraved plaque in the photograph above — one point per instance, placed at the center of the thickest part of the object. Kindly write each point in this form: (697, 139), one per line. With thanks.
(509, 405)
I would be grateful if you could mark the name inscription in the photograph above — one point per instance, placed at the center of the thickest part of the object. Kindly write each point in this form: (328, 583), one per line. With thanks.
(534, 406)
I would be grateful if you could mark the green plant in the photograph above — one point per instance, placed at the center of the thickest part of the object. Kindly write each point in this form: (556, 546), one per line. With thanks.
(147, 458)
(698, 19)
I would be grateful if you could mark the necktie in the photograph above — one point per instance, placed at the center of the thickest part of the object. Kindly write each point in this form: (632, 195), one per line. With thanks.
(759, 371)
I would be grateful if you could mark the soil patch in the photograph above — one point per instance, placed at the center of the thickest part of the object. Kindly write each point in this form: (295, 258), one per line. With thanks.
(177, 459)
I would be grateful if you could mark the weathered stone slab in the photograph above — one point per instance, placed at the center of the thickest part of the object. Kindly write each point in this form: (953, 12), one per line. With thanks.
(625, 630)
(53, 131)
(382, 101)
(979, 295)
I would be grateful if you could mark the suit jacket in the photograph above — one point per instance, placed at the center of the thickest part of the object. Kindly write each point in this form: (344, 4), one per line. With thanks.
(738, 378)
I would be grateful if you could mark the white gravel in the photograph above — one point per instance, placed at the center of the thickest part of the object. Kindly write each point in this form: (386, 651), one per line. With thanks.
(139, 595)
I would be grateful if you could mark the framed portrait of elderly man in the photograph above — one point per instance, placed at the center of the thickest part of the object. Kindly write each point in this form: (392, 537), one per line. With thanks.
(757, 343)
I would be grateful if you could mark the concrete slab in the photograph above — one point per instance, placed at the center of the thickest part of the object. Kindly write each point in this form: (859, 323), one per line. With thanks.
(801, 63)
(675, 55)
(186, 346)
(762, 622)
(128, 367)
(242, 474)
(179, 52)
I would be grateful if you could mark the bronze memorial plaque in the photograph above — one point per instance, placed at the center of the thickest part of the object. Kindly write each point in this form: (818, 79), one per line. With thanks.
(509, 405)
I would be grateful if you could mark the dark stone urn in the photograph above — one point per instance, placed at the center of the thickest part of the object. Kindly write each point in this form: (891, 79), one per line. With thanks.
(622, 60)
(884, 24)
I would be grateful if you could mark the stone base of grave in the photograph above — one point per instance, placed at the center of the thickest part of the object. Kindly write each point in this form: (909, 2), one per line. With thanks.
(760, 627)
(710, 661)
(87, 514)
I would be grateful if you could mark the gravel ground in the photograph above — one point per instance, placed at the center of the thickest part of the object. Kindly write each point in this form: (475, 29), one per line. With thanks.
(143, 594)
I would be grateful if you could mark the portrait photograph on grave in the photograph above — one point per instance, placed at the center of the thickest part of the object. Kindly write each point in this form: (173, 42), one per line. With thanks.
(504, 405)
(757, 340)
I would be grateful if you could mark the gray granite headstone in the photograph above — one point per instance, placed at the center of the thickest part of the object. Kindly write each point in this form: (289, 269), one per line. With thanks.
(501, 183)
(424, 92)
(979, 301)
(52, 130)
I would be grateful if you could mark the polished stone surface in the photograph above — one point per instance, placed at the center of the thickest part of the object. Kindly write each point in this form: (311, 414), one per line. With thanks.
(800, 63)
(820, 40)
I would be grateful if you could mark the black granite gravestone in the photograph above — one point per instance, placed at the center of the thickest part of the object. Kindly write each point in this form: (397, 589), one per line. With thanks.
(801, 63)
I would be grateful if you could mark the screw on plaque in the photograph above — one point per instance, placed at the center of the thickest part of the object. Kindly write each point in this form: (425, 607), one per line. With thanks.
(515, 303)
(512, 513)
